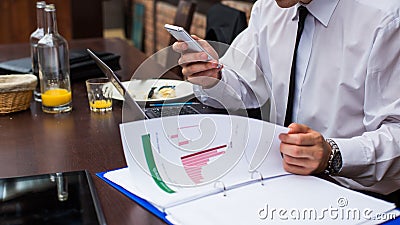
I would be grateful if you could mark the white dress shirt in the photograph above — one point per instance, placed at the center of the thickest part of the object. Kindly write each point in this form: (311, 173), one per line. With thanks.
(347, 80)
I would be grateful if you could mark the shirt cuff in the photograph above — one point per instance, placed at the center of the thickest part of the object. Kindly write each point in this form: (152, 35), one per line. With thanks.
(206, 95)
(222, 95)
(216, 90)
(355, 157)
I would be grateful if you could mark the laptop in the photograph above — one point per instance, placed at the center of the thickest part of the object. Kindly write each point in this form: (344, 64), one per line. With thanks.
(137, 112)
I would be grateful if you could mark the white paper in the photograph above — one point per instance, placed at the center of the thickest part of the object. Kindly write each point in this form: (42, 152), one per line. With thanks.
(231, 148)
(289, 199)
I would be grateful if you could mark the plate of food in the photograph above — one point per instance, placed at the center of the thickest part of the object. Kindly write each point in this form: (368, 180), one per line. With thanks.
(155, 90)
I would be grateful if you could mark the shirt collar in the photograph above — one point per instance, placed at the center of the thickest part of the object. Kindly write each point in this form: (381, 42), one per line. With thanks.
(322, 10)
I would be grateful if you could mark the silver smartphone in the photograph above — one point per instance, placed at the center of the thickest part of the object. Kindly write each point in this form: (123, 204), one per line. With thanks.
(181, 35)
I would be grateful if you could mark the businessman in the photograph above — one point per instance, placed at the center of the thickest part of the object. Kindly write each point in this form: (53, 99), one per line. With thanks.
(333, 69)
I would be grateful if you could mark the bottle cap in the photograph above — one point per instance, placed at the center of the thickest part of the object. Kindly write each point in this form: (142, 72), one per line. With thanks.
(50, 8)
(41, 4)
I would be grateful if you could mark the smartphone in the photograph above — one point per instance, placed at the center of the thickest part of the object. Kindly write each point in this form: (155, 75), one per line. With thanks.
(181, 35)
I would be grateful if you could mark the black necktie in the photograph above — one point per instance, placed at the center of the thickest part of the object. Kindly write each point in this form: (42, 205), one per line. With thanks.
(300, 26)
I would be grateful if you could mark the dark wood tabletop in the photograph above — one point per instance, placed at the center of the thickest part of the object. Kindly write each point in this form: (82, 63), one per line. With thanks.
(33, 142)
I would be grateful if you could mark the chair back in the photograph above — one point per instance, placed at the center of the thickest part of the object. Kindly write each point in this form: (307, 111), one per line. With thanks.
(184, 16)
(224, 23)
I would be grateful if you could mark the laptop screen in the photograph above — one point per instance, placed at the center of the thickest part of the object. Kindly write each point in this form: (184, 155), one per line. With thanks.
(135, 112)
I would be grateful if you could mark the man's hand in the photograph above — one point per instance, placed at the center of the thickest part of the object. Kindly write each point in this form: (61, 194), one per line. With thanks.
(195, 66)
(304, 150)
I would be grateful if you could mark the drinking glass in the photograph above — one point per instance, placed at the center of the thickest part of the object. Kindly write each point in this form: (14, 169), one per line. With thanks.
(99, 94)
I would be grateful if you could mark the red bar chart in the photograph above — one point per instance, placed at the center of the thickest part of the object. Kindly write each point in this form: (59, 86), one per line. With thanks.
(195, 163)
(179, 138)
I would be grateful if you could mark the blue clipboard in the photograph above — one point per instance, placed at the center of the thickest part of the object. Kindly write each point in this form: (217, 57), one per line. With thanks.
(394, 221)
(145, 204)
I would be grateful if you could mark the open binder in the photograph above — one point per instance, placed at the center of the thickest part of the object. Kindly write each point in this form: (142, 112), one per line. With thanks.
(219, 169)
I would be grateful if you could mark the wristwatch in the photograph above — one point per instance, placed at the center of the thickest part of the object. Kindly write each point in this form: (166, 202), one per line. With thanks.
(335, 159)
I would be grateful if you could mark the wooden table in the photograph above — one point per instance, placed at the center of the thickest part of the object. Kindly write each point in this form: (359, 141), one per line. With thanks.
(33, 142)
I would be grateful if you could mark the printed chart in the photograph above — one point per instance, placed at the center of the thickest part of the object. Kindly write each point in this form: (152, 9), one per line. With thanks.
(179, 139)
(194, 163)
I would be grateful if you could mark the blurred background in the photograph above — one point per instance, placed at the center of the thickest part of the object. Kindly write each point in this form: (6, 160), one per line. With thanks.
(138, 21)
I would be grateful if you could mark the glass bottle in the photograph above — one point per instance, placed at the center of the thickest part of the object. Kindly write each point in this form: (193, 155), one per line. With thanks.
(53, 57)
(34, 39)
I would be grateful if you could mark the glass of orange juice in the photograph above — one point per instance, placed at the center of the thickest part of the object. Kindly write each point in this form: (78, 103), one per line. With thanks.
(56, 94)
(57, 100)
(99, 94)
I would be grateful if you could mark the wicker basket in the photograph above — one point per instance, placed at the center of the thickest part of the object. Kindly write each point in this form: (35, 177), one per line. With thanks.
(16, 92)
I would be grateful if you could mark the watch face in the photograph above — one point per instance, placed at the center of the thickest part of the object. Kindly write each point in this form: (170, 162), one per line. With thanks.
(337, 162)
